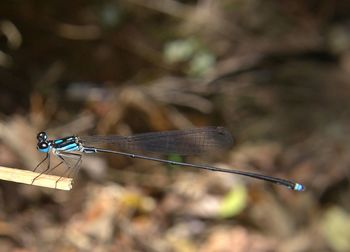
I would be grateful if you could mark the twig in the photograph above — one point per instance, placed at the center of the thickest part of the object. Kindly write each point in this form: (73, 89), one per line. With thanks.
(33, 178)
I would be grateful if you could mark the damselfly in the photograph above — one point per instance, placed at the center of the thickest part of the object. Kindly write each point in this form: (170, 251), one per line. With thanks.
(182, 142)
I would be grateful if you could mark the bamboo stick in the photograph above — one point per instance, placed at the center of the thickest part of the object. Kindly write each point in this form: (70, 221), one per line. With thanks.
(33, 178)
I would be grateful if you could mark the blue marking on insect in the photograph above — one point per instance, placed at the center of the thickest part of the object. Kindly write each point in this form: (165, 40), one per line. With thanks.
(45, 150)
(69, 147)
(299, 187)
(58, 141)
(76, 148)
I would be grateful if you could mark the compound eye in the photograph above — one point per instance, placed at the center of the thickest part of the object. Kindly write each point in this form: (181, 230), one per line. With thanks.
(42, 136)
(43, 147)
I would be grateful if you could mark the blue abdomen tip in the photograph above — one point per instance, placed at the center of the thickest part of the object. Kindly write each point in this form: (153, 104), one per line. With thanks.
(299, 187)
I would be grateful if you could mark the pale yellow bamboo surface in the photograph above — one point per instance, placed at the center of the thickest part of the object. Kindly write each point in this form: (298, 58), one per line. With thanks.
(27, 177)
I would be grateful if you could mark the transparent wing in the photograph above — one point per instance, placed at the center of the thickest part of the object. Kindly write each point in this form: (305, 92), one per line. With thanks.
(183, 142)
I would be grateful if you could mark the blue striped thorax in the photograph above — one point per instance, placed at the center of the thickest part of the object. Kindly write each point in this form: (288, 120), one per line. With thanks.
(67, 144)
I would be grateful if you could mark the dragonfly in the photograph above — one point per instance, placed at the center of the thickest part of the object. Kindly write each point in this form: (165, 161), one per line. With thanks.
(194, 141)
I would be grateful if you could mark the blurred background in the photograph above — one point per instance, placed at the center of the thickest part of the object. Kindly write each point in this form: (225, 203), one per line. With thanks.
(274, 73)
